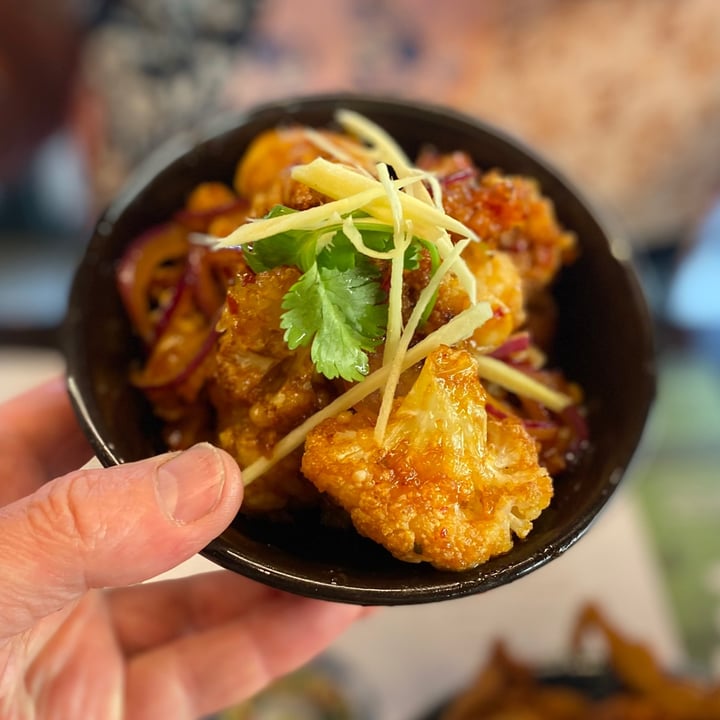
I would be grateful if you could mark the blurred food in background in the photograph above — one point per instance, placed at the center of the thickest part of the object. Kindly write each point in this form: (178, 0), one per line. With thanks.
(628, 685)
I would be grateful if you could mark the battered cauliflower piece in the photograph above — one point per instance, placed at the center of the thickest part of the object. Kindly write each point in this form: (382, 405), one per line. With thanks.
(262, 389)
(450, 485)
(509, 212)
(264, 172)
(498, 281)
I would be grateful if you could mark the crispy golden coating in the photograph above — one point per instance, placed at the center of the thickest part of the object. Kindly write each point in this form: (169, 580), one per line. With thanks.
(450, 485)
(251, 343)
(264, 172)
(263, 389)
(499, 282)
(508, 212)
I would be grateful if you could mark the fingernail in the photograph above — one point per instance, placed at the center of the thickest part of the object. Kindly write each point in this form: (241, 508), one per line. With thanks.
(190, 484)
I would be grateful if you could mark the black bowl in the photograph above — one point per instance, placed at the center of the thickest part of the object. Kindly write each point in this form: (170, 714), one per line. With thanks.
(604, 341)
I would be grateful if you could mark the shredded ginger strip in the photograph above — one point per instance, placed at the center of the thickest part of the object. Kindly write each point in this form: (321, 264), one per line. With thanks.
(385, 149)
(401, 240)
(331, 148)
(516, 381)
(429, 222)
(304, 220)
(397, 364)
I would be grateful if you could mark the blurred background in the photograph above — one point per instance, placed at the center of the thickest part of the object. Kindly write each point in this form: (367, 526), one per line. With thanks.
(622, 95)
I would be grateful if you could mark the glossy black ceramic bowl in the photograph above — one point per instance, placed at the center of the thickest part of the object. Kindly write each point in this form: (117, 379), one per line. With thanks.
(604, 342)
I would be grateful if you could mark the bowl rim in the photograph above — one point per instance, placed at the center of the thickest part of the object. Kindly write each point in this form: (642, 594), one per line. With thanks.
(447, 585)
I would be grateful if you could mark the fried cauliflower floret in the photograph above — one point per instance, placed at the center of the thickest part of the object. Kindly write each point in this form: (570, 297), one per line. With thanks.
(450, 485)
(262, 389)
(497, 276)
(263, 174)
(498, 282)
(509, 212)
(252, 342)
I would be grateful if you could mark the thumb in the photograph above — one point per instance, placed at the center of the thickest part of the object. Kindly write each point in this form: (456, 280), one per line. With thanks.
(110, 527)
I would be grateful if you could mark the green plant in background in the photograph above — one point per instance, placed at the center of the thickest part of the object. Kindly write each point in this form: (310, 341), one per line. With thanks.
(679, 493)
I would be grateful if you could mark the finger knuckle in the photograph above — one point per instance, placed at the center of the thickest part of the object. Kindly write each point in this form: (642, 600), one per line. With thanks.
(65, 512)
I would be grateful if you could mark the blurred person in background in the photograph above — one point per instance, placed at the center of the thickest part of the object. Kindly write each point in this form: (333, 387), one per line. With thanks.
(45, 196)
(622, 95)
(40, 44)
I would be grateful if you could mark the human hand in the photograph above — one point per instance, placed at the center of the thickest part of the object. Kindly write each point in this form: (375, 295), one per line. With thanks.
(175, 649)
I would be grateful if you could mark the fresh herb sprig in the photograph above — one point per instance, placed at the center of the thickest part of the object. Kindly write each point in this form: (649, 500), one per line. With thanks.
(338, 306)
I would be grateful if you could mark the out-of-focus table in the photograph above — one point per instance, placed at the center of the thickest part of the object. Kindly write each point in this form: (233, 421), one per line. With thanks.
(403, 660)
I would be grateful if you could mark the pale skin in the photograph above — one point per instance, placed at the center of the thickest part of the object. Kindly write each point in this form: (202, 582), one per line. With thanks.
(78, 636)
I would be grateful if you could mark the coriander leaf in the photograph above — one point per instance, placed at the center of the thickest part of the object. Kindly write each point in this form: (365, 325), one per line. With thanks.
(434, 264)
(411, 261)
(374, 238)
(340, 254)
(343, 315)
(300, 247)
(279, 210)
(292, 248)
(337, 307)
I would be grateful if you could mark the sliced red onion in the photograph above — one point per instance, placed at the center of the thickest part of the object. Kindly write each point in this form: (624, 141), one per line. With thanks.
(458, 176)
(208, 289)
(532, 424)
(180, 291)
(495, 411)
(135, 270)
(188, 369)
(514, 344)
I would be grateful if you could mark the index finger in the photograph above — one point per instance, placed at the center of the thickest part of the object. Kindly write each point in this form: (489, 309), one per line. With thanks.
(39, 439)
